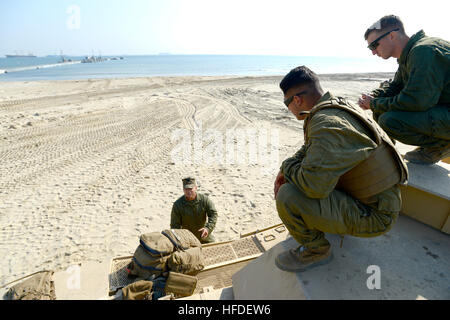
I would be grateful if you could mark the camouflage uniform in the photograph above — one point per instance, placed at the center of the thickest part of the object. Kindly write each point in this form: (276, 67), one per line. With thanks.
(415, 107)
(192, 215)
(309, 203)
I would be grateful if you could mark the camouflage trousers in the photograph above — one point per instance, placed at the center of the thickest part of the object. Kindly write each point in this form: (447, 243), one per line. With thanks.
(308, 219)
(428, 129)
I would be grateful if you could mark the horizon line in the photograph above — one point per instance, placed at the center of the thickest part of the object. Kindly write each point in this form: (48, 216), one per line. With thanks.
(187, 54)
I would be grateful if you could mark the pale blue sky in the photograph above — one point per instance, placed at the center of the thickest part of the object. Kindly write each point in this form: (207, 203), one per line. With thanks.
(279, 27)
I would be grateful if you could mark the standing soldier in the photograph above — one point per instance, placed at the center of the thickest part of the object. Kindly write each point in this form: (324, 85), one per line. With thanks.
(195, 212)
(344, 180)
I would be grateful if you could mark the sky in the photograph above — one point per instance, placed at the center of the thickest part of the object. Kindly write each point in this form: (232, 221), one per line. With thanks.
(140, 27)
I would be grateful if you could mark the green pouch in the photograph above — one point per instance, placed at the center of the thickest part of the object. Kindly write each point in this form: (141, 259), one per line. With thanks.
(139, 290)
(181, 285)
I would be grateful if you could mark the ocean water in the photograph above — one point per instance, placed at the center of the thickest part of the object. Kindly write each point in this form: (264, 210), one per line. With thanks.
(48, 68)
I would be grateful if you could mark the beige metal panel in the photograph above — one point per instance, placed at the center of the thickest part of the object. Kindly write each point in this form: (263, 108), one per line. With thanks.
(433, 179)
(425, 207)
(118, 275)
(446, 227)
(262, 230)
(410, 260)
(209, 293)
(219, 277)
(426, 198)
(262, 280)
(88, 281)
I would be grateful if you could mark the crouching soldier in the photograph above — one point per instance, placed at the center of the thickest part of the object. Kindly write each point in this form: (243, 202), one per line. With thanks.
(415, 107)
(195, 212)
(344, 180)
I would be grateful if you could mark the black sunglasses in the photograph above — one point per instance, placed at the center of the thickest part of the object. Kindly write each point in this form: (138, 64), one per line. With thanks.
(288, 101)
(374, 44)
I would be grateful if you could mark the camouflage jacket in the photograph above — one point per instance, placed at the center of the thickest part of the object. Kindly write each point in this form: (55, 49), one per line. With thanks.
(337, 141)
(193, 215)
(422, 79)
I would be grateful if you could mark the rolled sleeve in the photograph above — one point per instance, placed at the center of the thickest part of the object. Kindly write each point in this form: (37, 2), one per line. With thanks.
(391, 89)
(297, 158)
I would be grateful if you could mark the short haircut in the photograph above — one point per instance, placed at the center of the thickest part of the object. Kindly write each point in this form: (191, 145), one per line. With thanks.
(386, 24)
(299, 76)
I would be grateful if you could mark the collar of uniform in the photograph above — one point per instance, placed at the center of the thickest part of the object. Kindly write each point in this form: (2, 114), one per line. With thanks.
(327, 96)
(416, 37)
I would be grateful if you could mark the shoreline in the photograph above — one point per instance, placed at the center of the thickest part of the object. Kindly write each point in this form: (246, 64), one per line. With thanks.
(343, 76)
(87, 165)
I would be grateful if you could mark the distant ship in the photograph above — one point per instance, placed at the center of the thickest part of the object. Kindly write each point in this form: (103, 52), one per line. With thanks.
(20, 55)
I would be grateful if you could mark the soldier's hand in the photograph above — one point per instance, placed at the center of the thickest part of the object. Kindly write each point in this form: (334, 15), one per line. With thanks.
(279, 181)
(364, 101)
(203, 232)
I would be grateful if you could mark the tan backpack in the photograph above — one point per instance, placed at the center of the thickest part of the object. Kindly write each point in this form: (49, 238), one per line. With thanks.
(175, 250)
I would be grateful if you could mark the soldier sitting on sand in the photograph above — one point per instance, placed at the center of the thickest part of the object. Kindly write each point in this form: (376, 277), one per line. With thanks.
(195, 212)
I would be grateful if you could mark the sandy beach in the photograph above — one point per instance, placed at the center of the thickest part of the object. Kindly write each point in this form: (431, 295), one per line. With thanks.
(87, 166)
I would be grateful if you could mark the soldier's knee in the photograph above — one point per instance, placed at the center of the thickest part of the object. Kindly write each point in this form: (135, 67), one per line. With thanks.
(391, 122)
(285, 198)
(386, 121)
(282, 195)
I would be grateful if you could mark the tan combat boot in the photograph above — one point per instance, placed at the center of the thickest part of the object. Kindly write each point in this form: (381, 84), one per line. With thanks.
(428, 156)
(301, 258)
